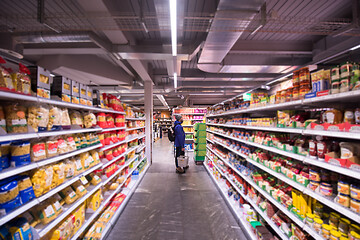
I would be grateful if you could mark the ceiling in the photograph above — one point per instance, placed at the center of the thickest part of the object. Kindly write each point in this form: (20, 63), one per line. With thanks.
(225, 47)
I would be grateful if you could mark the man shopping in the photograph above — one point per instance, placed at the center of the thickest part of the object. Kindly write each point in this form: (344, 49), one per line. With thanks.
(179, 141)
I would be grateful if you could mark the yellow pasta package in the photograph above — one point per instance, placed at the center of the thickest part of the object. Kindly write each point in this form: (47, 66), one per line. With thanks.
(58, 198)
(68, 195)
(78, 166)
(114, 186)
(59, 174)
(79, 189)
(84, 157)
(46, 213)
(79, 214)
(37, 180)
(94, 179)
(57, 206)
(70, 169)
(65, 230)
(49, 174)
(95, 156)
(94, 202)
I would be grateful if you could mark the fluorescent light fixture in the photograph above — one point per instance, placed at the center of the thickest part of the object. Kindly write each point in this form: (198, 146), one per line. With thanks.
(175, 80)
(144, 26)
(257, 29)
(162, 100)
(173, 24)
(52, 75)
(356, 47)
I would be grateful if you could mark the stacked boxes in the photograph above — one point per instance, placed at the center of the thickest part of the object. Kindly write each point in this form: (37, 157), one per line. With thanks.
(61, 88)
(40, 81)
(200, 142)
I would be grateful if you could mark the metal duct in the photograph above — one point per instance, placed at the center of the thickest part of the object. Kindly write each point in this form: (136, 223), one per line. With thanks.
(52, 38)
(218, 43)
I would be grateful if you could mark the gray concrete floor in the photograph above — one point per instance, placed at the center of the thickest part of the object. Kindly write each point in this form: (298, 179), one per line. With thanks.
(168, 206)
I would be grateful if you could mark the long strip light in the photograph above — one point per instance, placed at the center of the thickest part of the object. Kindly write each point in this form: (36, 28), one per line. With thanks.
(173, 24)
(175, 80)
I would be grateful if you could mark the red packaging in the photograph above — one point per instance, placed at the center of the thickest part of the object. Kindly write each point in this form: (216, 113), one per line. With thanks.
(101, 120)
(109, 155)
(110, 120)
(313, 148)
(119, 120)
(322, 149)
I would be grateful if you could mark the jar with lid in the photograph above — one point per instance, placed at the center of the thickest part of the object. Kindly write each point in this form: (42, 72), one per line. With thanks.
(355, 191)
(349, 116)
(283, 96)
(295, 93)
(355, 205)
(355, 77)
(317, 224)
(304, 89)
(310, 219)
(278, 97)
(326, 189)
(295, 79)
(334, 219)
(345, 69)
(318, 210)
(304, 76)
(343, 200)
(344, 84)
(335, 235)
(354, 228)
(343, 187)
(289, 95)
(354, 236)
(325, 231)
(344, 225)
(335, 73)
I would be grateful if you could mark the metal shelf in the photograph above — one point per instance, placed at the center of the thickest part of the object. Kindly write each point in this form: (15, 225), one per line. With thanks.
(12, 171)
(315, 162)
(135, 119)
(349, 135)
(136, 128)
(112, 145)
(108, 163)
(112, 129)
(353, 95)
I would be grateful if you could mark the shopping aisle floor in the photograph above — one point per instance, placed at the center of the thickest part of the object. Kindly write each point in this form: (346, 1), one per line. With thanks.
(170, 206)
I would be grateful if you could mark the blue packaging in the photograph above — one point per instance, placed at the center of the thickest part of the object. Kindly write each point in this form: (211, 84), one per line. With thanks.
(20, 160)
(25, 194)
(9, 186)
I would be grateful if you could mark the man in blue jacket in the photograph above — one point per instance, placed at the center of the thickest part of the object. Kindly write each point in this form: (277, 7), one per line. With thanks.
(179, 141)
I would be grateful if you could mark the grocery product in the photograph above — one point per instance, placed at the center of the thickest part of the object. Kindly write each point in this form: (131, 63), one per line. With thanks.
(89, 120)
(9, 196)
(38, 118)
(65, 119)
(76, 118)
(59, 174)
(93, 202)
(69, 195)
(54, 123)
(38, 150)
(20, 153)
(26, 191)
(79, 189)
(16, 118)
(51, 146)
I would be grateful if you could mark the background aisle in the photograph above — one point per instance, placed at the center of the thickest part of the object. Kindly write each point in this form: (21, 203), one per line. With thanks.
(171, 206)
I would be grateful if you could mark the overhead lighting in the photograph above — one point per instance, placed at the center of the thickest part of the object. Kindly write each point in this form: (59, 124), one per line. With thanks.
(162, 100)
(52, 75)
(257, 29)
(175, 80)
(173, 24)
(144, 26)
(265, 87)
(356, 47)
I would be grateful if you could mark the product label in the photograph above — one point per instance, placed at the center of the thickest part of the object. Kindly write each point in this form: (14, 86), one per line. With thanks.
(78, 165)
(18, 122)
(2, 123)
(49, 211)
(39, 150)
(83, 180)
(57, 206)
(72, 194)
(81, 188)
(9, 83)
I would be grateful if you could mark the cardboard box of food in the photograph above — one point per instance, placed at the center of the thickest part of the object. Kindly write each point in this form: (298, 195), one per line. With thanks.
(40, 81)
(75, 88)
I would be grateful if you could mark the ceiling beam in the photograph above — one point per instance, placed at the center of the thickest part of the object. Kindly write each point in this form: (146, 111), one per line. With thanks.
(200, 74)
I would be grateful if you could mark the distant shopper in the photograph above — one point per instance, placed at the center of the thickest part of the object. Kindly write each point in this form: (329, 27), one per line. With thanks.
(179, 141)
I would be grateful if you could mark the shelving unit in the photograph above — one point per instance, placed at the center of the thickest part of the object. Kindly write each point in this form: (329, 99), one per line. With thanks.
(222, 135)
(43, 230)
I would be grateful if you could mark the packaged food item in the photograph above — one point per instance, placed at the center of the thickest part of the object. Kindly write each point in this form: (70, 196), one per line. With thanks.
(20, 229)
(325, 231)
(26, 190)
(38, 151)
(71, 145)
(347, 150)
(334, 219)
(101, 120)
(2, 116)
(85, 160)
(79, 168)
(114, 186)
(56, 205)
(343, 187)
(344, 225)
(62, 146)
(37, 180)
(79, 189)
(20, 153)
(48, 178)
(89, 120)
(93, 179)
(16, 118)
(317, 224)
(22, 80)
(335, 235)
(345, 84)
(38, 118)
(5, 155)
(94, 202)
(6, 82)
(326, 189)
(65, 119)
(64, 231)
(355, 191)
(54, 123)
(345, 69)
(46, 212)
(68, 195)
(349, 116)
(355, 78)
(59, 174)
(69, 169)
(9, 196)
(79, 215)
(355, 205)
(95, 156)
(76, 118)
(51, 146)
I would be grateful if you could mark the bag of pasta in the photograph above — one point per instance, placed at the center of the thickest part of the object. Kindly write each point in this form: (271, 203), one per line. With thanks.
(22, 79)
(83, 157)
(56, 205)
(9, 196)
(20, 153)
(79, 189)
(78, 166)
(95, 155)
(6, 82)
(76, 118)
(38, 150)
(65, 119)
(93, 179)
(38, 118)
(5, 154)
(26, 190)
(37, 180)
(2, 119)
(68, 195)
(71, 145)
(54, 123)
(89, 120)
(46, 212)
(70, 169)
(59, 174)
(51, 146)
(49, 175)
(62, 146)
(16, 118)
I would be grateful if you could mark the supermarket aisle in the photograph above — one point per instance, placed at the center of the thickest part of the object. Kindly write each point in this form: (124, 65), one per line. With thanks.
(171, 206)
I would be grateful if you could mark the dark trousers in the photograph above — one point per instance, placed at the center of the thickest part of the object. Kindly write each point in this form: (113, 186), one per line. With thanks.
(178, 153)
